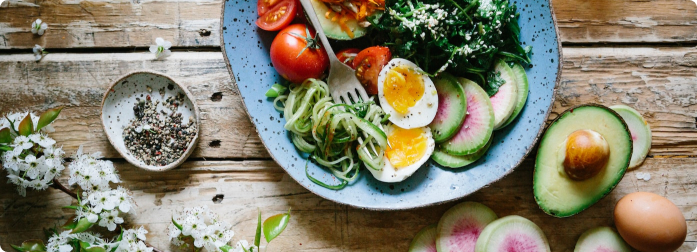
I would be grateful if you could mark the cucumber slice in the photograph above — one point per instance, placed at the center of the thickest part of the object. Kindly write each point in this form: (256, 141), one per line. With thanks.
(521, 79)
(425, 240)
(601, 239)
(476, 131)
(332, 28)
(504, 101)
(640, 131)
(512, 233)
(451, 161)
(452, 106)
(460, 226)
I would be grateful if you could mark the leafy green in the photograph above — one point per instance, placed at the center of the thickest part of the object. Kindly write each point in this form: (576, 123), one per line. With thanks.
(31, 246)
(276, 90)
(257, 237)
(48, 117)
(458, 36)
(26, 126)
(274, 225)
(82, 226)
(493, 82)
(5, 135)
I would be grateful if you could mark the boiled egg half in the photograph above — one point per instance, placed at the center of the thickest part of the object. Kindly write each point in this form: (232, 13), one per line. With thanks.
(407, 94)
(408, 150)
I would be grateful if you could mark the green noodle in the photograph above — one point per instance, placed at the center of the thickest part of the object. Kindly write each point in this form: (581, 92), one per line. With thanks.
(338, 136)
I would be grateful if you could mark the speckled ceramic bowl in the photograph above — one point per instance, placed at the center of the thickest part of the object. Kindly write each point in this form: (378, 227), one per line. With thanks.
(117, 110)
(246, 49)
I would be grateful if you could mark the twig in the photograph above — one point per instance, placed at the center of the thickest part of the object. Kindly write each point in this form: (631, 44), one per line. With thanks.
(57, 185)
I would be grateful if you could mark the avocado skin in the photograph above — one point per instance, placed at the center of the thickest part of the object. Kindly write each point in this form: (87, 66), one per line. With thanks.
(591, 199)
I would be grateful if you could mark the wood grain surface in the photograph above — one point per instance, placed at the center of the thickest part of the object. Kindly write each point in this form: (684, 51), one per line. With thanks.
(194, 23)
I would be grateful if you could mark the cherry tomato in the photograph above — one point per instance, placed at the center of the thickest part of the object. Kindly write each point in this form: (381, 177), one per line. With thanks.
(279, 16)
(347, 55)
(290, 63)
(368, 64)
(265, 5)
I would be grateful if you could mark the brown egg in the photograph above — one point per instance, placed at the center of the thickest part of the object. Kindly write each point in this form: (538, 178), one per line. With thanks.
(650, 223)
(587, 153)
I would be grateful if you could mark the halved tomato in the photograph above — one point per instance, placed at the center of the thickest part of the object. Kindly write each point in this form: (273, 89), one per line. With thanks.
(279, 16)
(265, 5)
(368, 64)
(347, 55)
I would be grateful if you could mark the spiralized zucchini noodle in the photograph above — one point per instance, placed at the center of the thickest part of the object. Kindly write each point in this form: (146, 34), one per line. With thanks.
(338, 136)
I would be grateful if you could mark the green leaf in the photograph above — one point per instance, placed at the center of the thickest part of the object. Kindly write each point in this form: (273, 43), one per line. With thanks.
(85, 247)
(274, 225)
(275, 91)
(5, 148)
(5, 135)
(70, 224)
(82, 226)
(257, 237)
(26, 127)
(226, 248)
(48, 117)
(30, 246)
(176, 224)
(70, 207)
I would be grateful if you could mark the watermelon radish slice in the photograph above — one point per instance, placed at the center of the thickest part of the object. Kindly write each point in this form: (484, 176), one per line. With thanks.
(452, 106)
(451, 161)
(425, 240)
(512, 234)
(460, 226)
(505, 100)
(479, 122)
(601, 239)
(521, 79)
(640, 131)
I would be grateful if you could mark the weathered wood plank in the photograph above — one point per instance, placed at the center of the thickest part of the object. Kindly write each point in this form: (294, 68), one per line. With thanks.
(657, 82)
(593, 21)
(111, 23)
(321, 225)
(79, 81)
(123, 23)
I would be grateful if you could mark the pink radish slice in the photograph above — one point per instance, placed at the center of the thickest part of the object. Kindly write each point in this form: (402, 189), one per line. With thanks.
(601, 239)
(512, 234)
(461, 225)
(424, 240)
(506, 99)
(479, 122)
(452, 106)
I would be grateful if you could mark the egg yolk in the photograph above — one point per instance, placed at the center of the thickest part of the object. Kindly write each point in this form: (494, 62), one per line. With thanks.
(406, 147)
(403, 87)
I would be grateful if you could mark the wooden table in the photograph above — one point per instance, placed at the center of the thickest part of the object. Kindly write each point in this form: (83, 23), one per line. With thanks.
(639, 53)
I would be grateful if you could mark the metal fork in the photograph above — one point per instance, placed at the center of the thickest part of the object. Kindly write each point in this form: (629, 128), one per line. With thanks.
(342, 81)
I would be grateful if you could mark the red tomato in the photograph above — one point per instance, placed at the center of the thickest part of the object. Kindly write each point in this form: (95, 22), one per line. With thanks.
(290, 63)
(265, 5)
(347, 55)
(368, 64)
(279, 16)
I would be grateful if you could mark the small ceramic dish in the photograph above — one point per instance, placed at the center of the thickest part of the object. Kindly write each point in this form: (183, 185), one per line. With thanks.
(117, 111)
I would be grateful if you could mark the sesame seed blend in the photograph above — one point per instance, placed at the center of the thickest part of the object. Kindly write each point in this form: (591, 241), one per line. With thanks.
(158, 138)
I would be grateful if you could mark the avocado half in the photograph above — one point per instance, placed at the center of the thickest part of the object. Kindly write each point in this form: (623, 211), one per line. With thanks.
(555, 192)
(332, 29)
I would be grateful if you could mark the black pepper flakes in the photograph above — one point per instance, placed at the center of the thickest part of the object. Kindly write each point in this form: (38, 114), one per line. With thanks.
(159, 138)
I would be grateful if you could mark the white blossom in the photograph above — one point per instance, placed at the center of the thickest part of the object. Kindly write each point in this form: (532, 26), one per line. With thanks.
(61, 242)
(203, 226)
(161, 48)
(39, 52)
(243, 245)
(38, 27)
(92, 174)
(32, 164)
(110, 219)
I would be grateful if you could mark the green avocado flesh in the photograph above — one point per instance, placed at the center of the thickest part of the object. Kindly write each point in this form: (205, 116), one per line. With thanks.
(332, 28)
(555, 192)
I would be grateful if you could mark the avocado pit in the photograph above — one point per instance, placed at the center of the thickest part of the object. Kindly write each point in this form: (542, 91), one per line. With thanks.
(587, 153)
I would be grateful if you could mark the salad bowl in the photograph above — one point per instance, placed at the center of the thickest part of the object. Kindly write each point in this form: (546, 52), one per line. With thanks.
(246, 50)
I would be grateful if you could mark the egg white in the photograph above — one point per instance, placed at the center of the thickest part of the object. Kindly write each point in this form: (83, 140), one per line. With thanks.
(391, 175)
(423, 112)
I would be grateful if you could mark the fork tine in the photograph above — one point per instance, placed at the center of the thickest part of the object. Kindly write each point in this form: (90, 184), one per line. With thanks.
(364, 95)
(353, 96)
(336, 97)
(346, 99)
